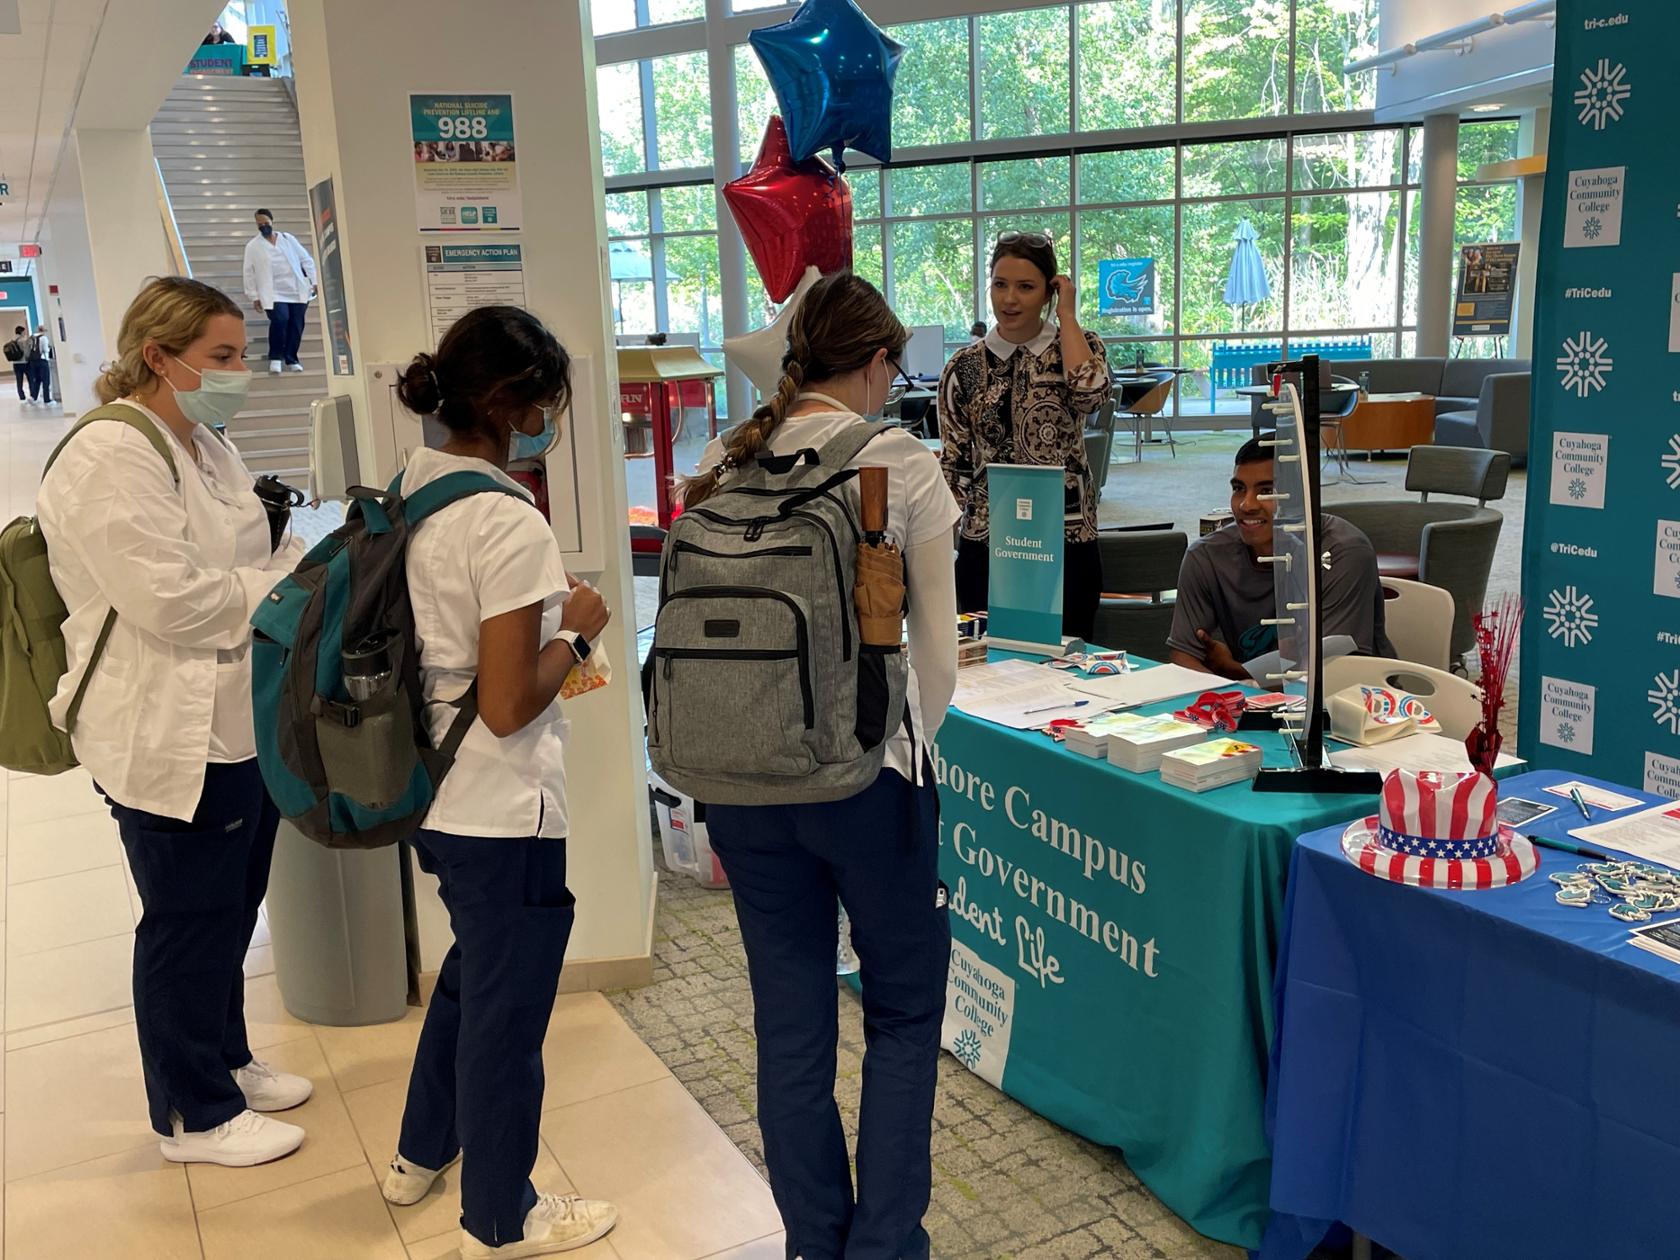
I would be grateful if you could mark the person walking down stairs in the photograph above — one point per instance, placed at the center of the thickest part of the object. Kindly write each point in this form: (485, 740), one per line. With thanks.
(280, 282)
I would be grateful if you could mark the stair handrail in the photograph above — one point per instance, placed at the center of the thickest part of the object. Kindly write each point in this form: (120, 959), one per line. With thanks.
(171, 229)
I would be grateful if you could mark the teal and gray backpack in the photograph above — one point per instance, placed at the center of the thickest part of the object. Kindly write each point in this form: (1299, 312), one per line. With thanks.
(354, 773)
(761, 691)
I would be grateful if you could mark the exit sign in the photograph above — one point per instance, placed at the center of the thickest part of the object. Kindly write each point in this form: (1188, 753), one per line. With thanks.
(27, 251)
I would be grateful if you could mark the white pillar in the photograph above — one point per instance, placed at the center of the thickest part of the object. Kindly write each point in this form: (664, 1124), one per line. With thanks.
(1435, 263)
(356, 61)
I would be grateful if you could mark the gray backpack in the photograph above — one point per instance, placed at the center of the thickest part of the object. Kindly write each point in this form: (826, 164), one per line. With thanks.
(761, 690)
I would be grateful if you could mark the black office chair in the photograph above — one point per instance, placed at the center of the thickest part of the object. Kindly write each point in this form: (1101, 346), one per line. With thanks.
(1138, 568)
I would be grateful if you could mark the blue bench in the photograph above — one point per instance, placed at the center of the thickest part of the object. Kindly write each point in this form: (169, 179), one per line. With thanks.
(1233, 362)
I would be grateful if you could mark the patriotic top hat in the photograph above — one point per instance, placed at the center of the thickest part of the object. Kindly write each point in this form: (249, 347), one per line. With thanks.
(1439, 830)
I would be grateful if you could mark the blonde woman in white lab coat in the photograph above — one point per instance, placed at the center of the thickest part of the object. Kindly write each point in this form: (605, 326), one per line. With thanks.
(165, 724)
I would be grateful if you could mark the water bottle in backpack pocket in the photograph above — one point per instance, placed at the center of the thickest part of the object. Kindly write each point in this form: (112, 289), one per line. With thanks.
(761, 690)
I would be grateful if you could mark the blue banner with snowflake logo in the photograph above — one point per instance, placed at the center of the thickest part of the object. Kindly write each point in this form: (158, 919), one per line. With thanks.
(1601, 569)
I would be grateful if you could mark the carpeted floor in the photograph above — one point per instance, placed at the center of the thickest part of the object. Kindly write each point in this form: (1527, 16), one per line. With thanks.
(1006, 1182)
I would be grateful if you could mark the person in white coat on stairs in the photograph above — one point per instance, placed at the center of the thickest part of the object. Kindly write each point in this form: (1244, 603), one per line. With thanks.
(280, 282)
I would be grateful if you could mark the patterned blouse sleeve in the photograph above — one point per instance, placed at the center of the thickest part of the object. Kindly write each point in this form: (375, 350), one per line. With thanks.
(1089, 386)
(956, 432)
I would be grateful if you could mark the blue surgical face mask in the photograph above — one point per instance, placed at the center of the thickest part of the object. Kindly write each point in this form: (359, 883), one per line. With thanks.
(267, 229)
(533, 445)
(218, 398)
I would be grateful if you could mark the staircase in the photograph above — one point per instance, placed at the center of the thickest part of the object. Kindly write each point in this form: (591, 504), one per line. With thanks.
(228, 147)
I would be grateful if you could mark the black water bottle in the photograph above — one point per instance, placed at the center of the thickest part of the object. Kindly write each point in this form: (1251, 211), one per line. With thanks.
(278, 500)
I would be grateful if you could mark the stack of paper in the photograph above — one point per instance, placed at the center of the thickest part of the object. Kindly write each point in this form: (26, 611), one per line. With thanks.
(1020, 695)
(1138, 743)
(1090, 737)
(1211, 765)
(1661, 939)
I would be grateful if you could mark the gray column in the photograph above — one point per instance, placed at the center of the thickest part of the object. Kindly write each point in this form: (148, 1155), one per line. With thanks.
(1435, 264)
(1531, 193)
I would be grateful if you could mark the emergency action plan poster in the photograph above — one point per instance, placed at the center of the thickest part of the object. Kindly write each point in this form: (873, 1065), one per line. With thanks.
(466, 169)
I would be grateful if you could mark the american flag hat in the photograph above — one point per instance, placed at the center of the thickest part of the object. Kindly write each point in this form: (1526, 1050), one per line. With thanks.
(1439, 830)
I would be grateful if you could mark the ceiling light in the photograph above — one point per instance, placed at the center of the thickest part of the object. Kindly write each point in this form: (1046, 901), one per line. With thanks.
(1494, 108)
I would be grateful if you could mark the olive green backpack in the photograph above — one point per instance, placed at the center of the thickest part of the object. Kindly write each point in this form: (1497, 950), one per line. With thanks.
(32, 659)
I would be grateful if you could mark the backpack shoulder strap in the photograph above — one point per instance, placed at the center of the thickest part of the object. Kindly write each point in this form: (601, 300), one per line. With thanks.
(134, 419)
(847, 445)
(434, 496)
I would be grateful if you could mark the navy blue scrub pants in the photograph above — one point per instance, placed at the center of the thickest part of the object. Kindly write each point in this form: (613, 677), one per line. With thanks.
(201, 883)
(21, 370)
(285, 330)
(477, 1084)
(878, 854)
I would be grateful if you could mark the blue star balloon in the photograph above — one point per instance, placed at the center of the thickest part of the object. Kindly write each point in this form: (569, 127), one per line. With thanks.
(832, 71)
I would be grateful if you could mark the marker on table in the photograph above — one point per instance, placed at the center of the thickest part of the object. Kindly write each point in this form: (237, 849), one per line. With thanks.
(1564, 846)
(1580, 803)
(1051, 708)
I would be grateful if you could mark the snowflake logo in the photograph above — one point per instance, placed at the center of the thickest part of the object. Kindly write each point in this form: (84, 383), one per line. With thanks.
(1584, 363)
(1577, 488)
(1592, 227)
(967, 1049)
(1570, 616)
(1671, 462)
(1665, 701)
(1566, 732)
(1604, 90)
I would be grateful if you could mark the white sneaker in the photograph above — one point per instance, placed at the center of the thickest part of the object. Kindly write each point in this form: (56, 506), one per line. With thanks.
(245, 1140)
(559, 1222)
(268, 1090)
(294, 367)
(275, 367)
(407, 1183)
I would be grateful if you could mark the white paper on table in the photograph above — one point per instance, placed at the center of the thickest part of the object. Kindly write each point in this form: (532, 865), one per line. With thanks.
(1422, 751)
(1147, 686)
(1021, 695)
(1596, 797)
(1652, 834)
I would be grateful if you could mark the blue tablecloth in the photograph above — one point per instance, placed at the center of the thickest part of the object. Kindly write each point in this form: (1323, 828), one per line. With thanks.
(1471, 1075)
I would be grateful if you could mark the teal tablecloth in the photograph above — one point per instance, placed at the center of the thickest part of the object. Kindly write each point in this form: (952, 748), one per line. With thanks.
(1114, 941)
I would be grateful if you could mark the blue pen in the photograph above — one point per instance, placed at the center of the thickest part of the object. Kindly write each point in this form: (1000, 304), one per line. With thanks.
(1050, 708)
(1580, 803)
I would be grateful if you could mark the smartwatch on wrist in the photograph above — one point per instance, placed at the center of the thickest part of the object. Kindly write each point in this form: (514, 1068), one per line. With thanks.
(581, 647)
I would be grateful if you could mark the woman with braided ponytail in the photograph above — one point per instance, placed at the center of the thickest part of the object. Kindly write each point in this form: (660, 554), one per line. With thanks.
(791, 866)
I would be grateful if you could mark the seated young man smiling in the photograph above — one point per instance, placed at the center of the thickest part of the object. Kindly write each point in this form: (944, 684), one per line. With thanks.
(1225, 592)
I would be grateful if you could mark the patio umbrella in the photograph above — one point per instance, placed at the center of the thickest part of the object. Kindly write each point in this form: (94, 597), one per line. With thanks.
(1246, 283)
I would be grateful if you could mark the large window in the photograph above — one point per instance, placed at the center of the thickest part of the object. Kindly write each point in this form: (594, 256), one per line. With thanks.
(1174, 131)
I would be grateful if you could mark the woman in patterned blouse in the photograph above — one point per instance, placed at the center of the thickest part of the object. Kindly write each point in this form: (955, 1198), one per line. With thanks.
(1020, 395)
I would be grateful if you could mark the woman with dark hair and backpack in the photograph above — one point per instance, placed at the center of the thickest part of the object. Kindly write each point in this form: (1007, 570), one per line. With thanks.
(493, 606)
(790, 867)
(1020, 395)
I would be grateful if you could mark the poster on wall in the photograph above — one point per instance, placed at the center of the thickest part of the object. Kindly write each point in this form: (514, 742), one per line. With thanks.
(259, 46)
(1601, 549)
(461, 278)
(335, 306)
(466, 169)
(1487, 288)
(1127, 286)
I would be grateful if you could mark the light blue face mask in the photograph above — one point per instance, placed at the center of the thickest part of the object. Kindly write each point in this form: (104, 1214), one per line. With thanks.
(533, 445)
(218, 398)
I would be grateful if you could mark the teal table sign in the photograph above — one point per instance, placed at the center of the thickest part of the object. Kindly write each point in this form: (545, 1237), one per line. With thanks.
(1027, 524)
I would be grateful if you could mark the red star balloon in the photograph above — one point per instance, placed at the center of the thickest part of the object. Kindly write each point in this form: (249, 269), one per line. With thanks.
(793, 215)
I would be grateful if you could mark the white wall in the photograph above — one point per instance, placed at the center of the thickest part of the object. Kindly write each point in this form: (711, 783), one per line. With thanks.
(1501, 62)
(67, 261)
(355, 65)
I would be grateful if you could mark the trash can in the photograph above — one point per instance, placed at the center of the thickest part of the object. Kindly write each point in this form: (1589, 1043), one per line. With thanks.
(339, 919)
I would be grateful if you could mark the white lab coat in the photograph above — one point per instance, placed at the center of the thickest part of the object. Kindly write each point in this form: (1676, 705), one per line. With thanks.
(259, 271)
(184, 568)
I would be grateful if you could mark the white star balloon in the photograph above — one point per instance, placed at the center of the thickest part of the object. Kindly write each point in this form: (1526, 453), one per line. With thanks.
(759, 353)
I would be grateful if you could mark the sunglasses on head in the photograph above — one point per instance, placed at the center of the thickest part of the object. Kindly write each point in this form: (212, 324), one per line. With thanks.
(1025, 238)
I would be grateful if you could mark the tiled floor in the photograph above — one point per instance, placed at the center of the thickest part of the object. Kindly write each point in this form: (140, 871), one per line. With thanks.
(82, 1173)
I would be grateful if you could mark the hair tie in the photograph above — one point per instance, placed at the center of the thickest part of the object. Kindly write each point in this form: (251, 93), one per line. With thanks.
(436, 385)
